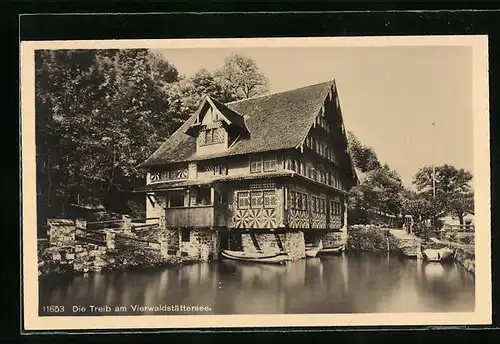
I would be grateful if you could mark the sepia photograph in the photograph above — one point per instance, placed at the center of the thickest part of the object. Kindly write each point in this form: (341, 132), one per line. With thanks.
(255, 182)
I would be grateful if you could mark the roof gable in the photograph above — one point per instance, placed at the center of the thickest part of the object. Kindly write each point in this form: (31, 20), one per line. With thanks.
(231, 119)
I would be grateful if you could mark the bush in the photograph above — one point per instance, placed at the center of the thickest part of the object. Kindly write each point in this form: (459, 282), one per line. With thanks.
(468, 240)
(368, 238)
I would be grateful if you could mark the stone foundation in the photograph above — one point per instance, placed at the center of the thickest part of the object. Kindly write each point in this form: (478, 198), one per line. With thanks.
(333, 239)
(61, 232)
(89, 257)
(293, 243)
(202, 244)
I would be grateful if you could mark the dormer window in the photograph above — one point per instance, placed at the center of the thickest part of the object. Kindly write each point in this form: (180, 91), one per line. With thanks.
(211, 136)
(216, 127)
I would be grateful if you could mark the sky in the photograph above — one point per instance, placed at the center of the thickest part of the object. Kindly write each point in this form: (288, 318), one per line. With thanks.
(390, 96)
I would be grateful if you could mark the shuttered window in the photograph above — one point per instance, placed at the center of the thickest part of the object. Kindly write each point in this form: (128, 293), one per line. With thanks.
(243, 200)
(269, 199)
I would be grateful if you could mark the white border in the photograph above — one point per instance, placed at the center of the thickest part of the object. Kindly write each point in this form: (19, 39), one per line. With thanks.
(482, 313)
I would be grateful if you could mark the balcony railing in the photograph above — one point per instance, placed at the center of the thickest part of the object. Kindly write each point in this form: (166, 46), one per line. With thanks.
(196, 216)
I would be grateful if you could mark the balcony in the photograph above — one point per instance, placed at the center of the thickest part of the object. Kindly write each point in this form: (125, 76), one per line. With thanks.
(196, 216)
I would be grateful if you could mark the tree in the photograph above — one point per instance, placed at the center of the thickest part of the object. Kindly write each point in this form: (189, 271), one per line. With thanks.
(379, 192)
(238, 79)
(421, 208)
(241, 78)
(189, 92)
(364, 158)
(454, 194)
(99, 113)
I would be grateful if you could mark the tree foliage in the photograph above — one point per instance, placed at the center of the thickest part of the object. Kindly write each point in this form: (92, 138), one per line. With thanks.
(453, 191)
(99, 113)
(241, 78)
(364, 158)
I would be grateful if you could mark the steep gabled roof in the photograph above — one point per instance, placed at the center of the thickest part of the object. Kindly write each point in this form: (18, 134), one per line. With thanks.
(275, 122)
(229, 116)
(232, 116)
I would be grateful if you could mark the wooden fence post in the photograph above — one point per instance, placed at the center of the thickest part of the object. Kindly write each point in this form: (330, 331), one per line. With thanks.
(110, 240)
(81, 224)
(163, 245)
(61, 232)
(127, 223)
(161, 222)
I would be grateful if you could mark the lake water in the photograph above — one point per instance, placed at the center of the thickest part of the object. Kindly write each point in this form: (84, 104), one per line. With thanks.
(350, 283)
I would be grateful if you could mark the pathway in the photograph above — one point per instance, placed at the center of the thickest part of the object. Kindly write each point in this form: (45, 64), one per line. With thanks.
(408, 243)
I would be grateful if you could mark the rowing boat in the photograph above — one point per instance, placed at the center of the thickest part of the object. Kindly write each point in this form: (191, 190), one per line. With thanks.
(312, 251)
(257, 257)
(437, 255)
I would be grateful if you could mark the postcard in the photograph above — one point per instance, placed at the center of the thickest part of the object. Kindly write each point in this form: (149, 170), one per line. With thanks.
(255, 182)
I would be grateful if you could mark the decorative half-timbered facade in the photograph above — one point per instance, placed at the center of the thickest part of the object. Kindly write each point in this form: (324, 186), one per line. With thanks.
(267, 173)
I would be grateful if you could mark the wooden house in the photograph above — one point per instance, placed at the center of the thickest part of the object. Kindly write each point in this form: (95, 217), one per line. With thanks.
(266, 173)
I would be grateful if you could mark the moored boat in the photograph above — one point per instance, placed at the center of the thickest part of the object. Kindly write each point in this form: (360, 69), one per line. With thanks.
(409, 251)
(257, 257)
(312, 251)
(332, 250)
(437, 255)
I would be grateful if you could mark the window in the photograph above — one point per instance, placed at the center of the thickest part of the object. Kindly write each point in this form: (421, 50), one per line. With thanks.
(334, 208)
(266, 165)
(243, 200)
(270, 165)
(155, 177)
(176, 198)
(256, 166)
(220, 169)
(209, 136)
(185, 235)
(269, 199)
(181, 173)
(256, 199)
(293, 203)
(299, 201)
(304, 202)
(204, 195)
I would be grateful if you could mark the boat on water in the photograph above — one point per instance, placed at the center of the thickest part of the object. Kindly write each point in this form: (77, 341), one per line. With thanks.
(437, 255)
(332, 250)
(257, 257)
(312, 250)
(437, 251)
(409, 251)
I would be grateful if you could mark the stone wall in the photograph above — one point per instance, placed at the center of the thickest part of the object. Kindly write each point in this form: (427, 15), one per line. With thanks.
(61, 232)
(130, 241)
(89, 257)
(293, 243)
(202, 244)
(467, 259)
(173, 239)
(55, 260)
(333, 239)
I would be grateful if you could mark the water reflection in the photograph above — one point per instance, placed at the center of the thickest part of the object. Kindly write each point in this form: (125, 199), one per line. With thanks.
(337, 284)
